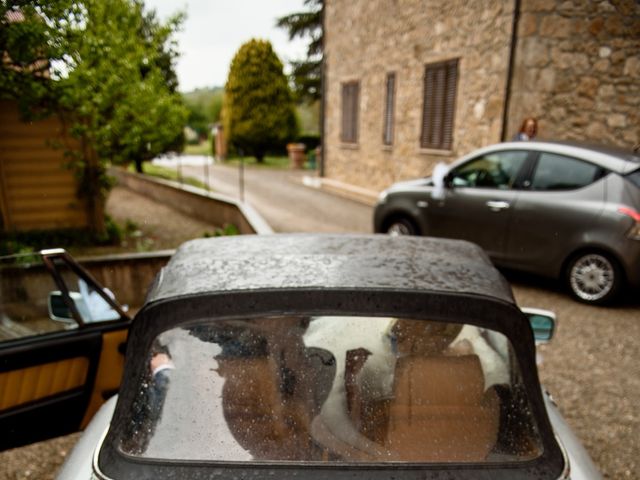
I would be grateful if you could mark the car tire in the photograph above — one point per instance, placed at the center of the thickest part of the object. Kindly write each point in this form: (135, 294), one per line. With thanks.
(593, 277)
(401, 226)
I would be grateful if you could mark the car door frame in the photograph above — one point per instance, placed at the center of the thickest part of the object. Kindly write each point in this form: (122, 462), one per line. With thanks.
(549, 261)
(484, 196)
(47, 381)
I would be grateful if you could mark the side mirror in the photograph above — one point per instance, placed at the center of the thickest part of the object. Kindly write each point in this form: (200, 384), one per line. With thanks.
(543, 324)
(58, 309)
(448, 180)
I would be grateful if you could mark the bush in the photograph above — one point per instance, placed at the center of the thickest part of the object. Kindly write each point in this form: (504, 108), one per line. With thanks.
(34, 240)
(310, 141)
(228, 229)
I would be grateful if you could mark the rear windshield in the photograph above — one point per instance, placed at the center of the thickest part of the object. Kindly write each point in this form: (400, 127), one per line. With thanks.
(332, 389)
(634, 177)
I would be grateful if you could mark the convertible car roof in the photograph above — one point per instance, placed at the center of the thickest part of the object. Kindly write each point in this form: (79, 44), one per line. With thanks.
(339, 262)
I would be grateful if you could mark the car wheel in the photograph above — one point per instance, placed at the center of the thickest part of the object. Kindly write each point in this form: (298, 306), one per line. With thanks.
(593, 277)
(401, 226)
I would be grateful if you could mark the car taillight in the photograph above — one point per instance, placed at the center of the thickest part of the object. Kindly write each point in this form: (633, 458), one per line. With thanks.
(634, 232)
(630, 212)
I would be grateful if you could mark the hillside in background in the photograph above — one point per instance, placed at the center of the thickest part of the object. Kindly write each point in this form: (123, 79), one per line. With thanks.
(202, 96)
(205, 104)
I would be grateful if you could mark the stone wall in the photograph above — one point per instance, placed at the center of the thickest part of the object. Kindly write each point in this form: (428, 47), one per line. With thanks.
(577, 70)
(365, 40)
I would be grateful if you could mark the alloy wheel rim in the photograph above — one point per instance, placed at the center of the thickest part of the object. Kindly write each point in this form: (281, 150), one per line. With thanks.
(397, 229)
(592, 277)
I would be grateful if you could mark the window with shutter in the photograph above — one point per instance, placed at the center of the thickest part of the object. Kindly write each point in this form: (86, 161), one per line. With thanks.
(439, 102)
(350, 94)
(387, 133)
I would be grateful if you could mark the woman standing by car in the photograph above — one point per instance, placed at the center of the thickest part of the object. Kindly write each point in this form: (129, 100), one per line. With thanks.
(528, 130)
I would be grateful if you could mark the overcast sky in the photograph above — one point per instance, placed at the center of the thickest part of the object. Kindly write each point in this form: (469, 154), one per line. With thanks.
(215, 29)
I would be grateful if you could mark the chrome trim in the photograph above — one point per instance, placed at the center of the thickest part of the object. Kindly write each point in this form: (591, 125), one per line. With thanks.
(96, 469)
(496, 206)
(566, 472)
(550, 397)
(52, 251)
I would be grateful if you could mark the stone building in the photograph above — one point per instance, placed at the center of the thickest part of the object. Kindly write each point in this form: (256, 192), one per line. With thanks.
(414, 82)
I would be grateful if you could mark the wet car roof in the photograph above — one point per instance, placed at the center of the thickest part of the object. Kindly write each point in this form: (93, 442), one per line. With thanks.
(300, 261)
(270, 278)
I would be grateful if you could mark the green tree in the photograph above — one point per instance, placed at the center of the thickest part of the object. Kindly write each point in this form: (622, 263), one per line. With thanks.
(215, 107)
(106, 68)
(307, 73)
(258, 110)
(198, 118)
(204, 106)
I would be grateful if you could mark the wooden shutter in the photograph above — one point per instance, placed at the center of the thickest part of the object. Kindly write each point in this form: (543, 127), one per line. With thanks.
(350, 94)
(345, 113)
(387, 132)
(440, 88)
(450, 104)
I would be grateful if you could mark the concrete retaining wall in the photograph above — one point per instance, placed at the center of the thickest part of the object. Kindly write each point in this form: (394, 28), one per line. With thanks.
(129, 276)
(196, 202)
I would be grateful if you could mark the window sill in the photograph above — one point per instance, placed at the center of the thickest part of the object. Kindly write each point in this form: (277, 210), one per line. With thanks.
(387, 148)
(433, 151)
(349, 146)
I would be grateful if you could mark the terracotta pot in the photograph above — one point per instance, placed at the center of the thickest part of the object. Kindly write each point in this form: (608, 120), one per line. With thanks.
(296, 154)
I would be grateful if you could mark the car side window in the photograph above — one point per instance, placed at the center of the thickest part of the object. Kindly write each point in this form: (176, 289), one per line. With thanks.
(491, 170)
(557, 172)
(26, 292)
(31, 303)
(634, 177)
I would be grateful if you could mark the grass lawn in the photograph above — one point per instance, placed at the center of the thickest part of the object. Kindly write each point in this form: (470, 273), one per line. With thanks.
(168, 174)
(269, 162)
(203, 148)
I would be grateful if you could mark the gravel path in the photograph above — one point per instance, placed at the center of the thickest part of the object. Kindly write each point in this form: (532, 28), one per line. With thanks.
(166, 227)
(591, 367)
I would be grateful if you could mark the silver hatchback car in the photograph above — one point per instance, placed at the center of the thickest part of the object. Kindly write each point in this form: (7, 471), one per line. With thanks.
(562, 210)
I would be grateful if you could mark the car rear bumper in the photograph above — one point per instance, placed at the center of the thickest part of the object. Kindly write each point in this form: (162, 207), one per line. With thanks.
(630, 259)
(632, 268)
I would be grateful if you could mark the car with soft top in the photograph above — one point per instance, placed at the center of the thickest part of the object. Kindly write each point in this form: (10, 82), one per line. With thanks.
(325, 355)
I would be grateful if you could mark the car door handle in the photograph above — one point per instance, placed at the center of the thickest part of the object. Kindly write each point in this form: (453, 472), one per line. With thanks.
(497, 206)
